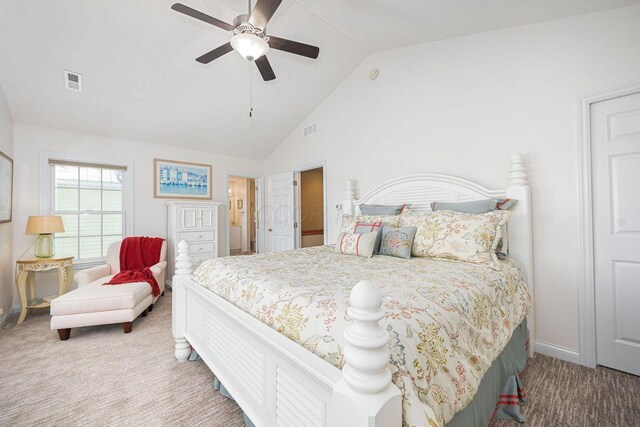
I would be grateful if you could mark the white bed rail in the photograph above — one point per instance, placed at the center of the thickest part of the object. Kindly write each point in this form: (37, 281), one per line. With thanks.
(283, 383)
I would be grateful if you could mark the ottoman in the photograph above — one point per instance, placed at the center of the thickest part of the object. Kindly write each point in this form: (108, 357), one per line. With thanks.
(95, 304)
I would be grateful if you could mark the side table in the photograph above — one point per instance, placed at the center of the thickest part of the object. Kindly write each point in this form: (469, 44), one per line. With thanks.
(26, 283)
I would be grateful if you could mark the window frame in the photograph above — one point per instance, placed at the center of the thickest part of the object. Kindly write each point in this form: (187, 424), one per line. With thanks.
(47, 190)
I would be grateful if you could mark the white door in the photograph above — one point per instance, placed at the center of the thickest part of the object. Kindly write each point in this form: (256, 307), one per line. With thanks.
(615, 139)
(279, 213)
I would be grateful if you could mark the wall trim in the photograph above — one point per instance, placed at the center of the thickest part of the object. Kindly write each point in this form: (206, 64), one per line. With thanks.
(558, 352)
(586, 290)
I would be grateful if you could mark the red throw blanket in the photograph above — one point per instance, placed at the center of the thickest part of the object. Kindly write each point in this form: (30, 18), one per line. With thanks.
(137, 254)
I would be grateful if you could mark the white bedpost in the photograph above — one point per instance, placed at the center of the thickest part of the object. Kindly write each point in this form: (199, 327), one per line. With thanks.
(184, 270)
(365, 395)
(520, 233)
(348, 207)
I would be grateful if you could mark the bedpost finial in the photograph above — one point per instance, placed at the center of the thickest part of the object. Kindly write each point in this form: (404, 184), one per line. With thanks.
(351, 189)
(184, 266)
(366, 367)
(517, 170)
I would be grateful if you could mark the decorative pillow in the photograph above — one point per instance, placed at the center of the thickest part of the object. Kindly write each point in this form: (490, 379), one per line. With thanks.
(466, 237)
(397, 242)
(480, 207)
(411, 218)
(360, 244)
(382, 209)
(373, 227)
(349, 221)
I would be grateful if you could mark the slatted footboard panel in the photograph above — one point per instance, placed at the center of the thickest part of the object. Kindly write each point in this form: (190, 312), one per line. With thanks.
(263, 377)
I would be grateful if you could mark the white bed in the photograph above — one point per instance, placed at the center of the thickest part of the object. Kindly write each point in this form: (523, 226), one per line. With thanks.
(278, 382)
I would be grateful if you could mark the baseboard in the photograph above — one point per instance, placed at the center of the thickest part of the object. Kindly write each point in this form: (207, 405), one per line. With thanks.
(558, 352)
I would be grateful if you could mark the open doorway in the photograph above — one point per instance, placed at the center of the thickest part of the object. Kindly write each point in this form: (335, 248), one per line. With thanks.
(310, 190)
(243, 236)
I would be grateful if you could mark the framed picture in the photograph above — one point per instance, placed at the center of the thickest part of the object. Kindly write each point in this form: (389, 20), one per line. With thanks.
(6, 187)
(181, 180)
(239, 203)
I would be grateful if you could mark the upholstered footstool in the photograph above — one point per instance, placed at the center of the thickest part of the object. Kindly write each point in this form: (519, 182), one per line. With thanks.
(95, 304)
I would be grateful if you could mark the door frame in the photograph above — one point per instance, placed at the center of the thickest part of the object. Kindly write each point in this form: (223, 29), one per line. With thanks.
(260, 197)
(296, 199)
(587, 275)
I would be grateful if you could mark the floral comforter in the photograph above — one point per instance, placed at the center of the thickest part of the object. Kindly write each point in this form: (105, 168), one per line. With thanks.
(448, 320)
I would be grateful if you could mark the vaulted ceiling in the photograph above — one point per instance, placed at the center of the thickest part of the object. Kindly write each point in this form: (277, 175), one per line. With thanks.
(141, 80)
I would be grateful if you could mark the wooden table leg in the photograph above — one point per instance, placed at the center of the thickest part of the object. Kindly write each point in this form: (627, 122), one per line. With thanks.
(22, 293)
(31, 285)
(69, 271)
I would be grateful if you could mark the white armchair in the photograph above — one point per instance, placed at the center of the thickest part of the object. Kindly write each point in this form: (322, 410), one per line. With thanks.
(104, 273)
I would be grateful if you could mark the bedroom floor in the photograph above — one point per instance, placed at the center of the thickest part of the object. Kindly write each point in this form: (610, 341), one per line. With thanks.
(103, 377)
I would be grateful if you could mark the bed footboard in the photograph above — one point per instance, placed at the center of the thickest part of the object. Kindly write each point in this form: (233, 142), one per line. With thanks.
(273, 379)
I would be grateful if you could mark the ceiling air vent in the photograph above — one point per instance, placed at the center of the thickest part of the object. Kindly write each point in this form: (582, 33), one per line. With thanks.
(311, 129)
(73, 81)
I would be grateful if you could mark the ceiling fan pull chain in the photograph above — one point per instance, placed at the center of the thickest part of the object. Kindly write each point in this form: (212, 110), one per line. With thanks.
(250, 95)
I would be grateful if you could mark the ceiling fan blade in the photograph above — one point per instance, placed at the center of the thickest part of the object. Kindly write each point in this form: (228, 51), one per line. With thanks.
(179, 7)
(265, 68)
(215, 53)
(262, 12)
(296, 48)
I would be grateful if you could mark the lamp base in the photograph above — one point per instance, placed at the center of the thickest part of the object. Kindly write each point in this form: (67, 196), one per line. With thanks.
(45, 247)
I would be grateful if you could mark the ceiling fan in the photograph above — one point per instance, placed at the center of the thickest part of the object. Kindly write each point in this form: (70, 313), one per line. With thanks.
(249, 36)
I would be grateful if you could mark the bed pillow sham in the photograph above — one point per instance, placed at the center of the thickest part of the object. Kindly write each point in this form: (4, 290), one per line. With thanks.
(360, 244)
(397, 242)
(383, 209)
(480, 207)
(411, 218)
(349, 221)
(465, 237)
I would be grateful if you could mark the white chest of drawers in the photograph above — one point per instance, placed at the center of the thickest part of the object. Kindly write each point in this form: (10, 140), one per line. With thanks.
(195, 222)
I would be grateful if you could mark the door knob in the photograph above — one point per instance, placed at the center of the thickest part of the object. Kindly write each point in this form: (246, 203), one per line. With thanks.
(269, 230)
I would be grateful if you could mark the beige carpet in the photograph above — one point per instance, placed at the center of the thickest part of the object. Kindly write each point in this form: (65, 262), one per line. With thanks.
(101, 377)
(104, 377)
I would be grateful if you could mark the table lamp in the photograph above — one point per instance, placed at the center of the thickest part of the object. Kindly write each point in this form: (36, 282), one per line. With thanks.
(44, 227)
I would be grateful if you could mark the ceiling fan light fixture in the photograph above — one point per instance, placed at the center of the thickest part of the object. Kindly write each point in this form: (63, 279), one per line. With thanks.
(249, 46)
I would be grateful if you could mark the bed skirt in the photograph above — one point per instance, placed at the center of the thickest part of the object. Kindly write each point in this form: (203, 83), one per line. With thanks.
(499, 395)
(501, 392)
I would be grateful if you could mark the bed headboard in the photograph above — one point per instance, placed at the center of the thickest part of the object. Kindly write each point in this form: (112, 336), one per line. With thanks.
(422, 189)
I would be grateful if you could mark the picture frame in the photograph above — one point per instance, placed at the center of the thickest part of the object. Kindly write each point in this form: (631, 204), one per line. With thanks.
(182, 180)
(240, 203)
(6, 187)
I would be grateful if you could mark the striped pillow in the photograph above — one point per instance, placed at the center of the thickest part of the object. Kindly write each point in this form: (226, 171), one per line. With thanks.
(360, 244)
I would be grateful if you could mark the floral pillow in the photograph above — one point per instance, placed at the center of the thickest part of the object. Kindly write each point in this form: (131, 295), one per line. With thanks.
(360, 244)
(411, 218)
(349, 221)
(397, 241)
(465, 237)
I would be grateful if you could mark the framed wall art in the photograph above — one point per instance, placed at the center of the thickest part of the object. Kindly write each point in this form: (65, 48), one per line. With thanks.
(181, 180)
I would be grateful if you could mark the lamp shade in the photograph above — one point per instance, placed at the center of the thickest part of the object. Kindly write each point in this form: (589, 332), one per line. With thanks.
(44, 225)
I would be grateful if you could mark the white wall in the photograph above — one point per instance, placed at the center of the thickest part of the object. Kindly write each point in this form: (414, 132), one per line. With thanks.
(6, 228)
(461, 107)
(150, 213)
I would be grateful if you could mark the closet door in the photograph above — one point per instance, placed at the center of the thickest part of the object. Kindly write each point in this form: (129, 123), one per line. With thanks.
(615, 145)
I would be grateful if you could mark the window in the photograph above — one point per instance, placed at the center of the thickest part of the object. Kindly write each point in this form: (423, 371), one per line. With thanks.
(92, 201)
